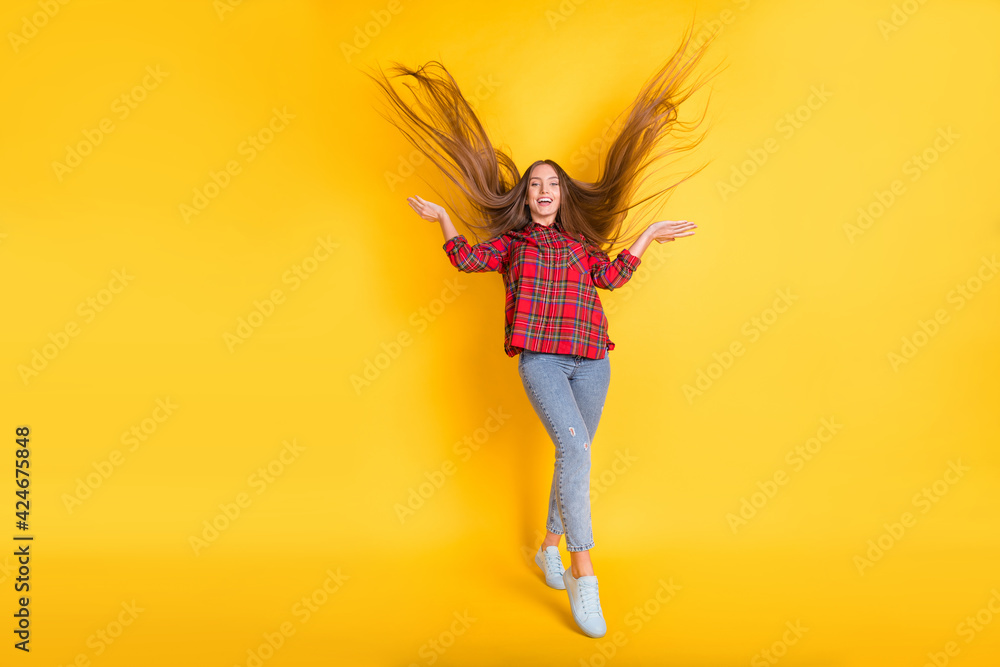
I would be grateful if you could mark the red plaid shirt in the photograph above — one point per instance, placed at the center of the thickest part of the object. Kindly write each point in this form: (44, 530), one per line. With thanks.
(552, 304)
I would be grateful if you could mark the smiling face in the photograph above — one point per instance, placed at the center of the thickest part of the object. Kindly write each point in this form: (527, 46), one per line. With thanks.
(543, 194)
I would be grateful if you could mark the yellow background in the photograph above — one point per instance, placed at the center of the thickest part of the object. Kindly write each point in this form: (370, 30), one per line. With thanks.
(549, 76)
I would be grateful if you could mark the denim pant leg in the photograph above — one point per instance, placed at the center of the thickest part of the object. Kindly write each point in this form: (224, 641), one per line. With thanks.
(589, 384)
(567, 392)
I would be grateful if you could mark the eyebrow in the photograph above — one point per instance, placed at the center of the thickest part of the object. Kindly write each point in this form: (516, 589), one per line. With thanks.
(538, 178)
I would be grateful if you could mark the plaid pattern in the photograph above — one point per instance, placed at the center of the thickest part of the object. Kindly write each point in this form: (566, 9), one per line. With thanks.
(550, 277)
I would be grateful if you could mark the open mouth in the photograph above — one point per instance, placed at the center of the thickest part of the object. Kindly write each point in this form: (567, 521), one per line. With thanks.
(544, 201)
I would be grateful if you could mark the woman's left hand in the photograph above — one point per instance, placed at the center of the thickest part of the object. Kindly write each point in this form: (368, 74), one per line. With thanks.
(668, 230)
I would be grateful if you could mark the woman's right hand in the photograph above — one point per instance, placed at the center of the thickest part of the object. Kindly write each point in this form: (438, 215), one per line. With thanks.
(669, 230)
(427, 210)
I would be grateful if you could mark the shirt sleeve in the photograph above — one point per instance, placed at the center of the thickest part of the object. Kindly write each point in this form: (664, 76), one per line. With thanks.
(486, 256)
(608, 274)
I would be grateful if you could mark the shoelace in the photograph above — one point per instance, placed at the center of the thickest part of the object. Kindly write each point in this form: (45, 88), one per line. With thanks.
(589, 599)
(553, 562)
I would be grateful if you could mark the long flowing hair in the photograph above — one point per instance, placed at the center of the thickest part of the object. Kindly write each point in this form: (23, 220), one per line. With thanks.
(445, 128)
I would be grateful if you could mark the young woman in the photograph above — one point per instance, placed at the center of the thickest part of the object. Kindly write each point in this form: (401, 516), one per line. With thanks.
(545, 236)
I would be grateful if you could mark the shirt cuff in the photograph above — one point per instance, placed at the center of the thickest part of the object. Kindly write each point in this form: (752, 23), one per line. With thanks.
(630, 259)
(452, 242)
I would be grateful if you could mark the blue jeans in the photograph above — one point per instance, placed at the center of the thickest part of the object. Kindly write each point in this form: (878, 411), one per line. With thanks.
(568, 392)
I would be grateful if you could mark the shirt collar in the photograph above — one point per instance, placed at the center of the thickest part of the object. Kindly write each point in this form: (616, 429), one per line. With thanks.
(555, 225)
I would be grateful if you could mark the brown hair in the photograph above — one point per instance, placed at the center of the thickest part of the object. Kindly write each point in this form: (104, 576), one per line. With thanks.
(444, 127)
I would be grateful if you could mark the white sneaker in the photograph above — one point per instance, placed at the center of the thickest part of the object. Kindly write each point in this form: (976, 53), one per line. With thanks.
(548, 559)
(585, 603)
